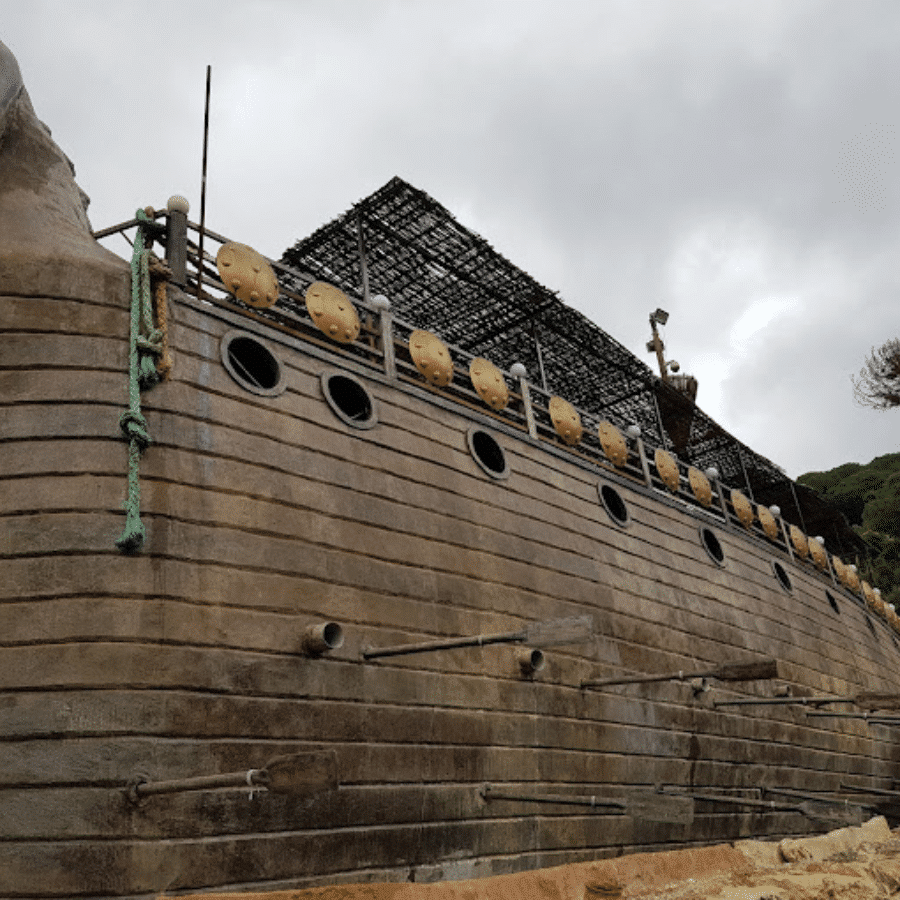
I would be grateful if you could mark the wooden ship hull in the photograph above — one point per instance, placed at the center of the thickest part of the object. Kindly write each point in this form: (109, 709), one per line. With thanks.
(343, 488)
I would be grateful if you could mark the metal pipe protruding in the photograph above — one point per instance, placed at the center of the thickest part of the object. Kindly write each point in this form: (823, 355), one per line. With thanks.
(253, 778)
(531, 661)
(322, 638)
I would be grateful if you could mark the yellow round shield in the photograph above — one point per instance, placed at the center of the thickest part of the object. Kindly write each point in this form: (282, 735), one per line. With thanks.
(767, 520)
(247, 274)
(489, 382)
(613, 443)
(800, 542)
(330, 308)
(743, 508)
(565, 420)
(700, 486)
(667, 468)
(431, 357)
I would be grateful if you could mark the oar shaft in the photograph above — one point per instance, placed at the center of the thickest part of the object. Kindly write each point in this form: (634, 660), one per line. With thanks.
(593, 802)
(513, 637)
(250, 778)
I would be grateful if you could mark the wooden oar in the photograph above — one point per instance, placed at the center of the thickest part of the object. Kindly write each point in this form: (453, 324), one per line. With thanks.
(812, 809)
(745, 671)
(827, 809)
(299, 773)
(641, 803)
(572, 630)
(866, 700)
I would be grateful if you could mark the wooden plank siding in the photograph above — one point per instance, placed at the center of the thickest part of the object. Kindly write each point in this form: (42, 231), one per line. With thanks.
(268, 514)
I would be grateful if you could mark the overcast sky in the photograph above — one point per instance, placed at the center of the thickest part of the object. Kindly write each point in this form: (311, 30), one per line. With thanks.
(735, 163)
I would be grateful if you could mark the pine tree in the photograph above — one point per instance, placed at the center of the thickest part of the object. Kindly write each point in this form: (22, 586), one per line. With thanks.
(878, 384)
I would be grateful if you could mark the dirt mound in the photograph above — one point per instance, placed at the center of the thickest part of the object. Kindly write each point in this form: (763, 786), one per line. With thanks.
(848, 864)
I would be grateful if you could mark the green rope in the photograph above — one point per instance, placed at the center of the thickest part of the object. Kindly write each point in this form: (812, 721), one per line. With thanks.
(145, 344)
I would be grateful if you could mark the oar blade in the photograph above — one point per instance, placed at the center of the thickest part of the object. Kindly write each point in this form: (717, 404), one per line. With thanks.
(312, 772)
(571, 630)
(747, 671)
(834, 815)
(871, 700)
(652, 806)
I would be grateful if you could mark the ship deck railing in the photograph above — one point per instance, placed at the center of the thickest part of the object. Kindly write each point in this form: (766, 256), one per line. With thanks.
(379, 328)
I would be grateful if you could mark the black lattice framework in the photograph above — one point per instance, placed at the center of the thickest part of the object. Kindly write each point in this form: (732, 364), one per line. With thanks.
(442, 277)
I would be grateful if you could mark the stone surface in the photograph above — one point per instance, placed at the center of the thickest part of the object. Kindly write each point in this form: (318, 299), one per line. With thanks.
(44, 227)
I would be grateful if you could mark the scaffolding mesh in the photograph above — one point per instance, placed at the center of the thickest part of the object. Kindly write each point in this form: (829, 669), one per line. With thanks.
(442, 277)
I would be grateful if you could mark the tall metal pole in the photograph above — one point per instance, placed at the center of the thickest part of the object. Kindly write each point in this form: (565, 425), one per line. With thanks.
(203, 185)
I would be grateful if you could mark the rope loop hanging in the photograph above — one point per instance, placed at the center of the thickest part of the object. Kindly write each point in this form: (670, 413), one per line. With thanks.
(146, 344)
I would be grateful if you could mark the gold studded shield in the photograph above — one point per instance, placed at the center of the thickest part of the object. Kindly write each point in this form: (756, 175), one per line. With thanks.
(565, 420)
(330, 308)
(489, 382)
(839, 569)
(247, 274)
(800, 542)
(818, 554)
(767, 520)
(868, 593)
(431, 357)
(613, 443)
(700, 486)
(743, 508)
(852, 579)
(667, 468)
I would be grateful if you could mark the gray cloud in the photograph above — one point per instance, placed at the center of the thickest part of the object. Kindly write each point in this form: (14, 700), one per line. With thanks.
(735, 163)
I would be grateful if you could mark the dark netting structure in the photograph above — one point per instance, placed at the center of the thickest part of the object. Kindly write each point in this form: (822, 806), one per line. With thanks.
(441, 277)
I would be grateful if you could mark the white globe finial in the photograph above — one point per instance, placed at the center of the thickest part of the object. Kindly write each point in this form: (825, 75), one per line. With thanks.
(712, 473)
(177, 203)
(633, 431)
(517, 370)
(380, 302)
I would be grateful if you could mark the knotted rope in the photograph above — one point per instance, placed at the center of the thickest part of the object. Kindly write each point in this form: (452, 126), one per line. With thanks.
(146, 343)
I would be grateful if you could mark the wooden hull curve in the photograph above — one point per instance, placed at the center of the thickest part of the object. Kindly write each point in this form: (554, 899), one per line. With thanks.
(265, 515)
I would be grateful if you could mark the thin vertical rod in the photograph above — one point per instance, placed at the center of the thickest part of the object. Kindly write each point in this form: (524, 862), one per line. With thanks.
(540, 357)
(746, 475)
(797, 504)
(203, 184)
(363, 264)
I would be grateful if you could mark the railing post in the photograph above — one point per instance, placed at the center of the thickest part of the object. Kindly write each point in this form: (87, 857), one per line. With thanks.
(642, 456)
(713, 475)
(386, 324)
(519, 371)
(176, 238)
(784, 533)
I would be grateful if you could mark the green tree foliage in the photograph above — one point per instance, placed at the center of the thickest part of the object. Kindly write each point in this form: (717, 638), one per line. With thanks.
(869, 496)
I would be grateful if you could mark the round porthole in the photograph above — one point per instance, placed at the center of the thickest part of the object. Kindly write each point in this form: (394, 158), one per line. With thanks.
(712, 546)
(252, 364)
(833, 602)
(349, 400)
(614, 504)
(487, 453)
(781, 574)
(871, 628)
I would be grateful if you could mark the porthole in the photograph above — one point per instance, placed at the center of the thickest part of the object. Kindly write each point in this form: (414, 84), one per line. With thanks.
(712, 546)
(252, 364)
(614, 504)
(487, 453)
(781, 574)
(349, 400)
(833, 602)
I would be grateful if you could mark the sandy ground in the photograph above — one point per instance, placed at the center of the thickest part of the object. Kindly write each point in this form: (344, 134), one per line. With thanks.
(859, 863)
